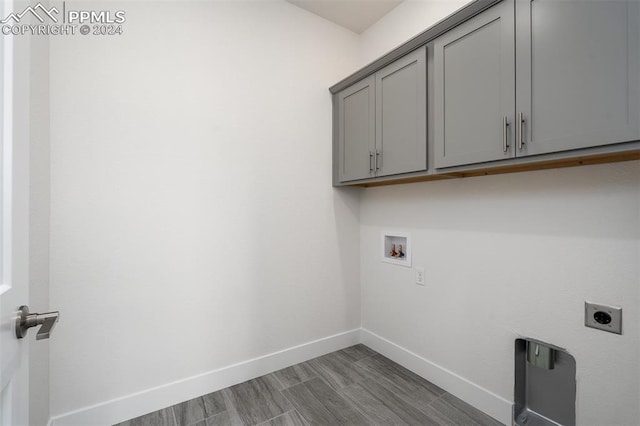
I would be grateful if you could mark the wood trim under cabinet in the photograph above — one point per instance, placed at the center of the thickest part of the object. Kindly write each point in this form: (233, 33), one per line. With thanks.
(583, 160)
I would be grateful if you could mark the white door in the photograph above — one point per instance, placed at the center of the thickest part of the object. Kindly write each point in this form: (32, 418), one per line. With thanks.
(14, 219)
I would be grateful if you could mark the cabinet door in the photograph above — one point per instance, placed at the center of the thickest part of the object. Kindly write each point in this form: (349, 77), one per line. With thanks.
(474, 85)
(401, 115)
(577, 73)
(356, 130)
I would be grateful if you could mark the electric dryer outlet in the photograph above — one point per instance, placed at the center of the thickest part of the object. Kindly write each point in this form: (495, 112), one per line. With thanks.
(603, 317)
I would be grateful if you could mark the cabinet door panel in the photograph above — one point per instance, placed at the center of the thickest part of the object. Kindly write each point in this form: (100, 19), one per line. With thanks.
(401, 115)
(475, 89)
(356, 130)
(577, 73)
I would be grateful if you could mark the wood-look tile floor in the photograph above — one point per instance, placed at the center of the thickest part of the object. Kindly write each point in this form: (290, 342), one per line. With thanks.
(353, 386)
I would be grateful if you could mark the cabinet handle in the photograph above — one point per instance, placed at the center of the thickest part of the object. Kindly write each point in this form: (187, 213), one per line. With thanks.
(505, 134)
(377, 156)
(521, 120)
(370, 161)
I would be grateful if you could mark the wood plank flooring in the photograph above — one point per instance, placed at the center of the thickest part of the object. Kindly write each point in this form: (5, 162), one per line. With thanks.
(353, 386)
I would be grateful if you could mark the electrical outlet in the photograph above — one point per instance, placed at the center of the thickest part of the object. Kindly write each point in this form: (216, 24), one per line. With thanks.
(603, 317)
(419, 275)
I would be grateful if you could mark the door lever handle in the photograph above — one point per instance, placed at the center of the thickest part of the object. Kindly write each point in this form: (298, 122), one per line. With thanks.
(26, 320)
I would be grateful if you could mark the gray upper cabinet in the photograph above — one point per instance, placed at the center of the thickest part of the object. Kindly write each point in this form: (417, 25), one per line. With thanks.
(570, 80)
(382, 121)
(577, 74)
(474, 89)
(356, 130)
(401, 115)
(513, 85)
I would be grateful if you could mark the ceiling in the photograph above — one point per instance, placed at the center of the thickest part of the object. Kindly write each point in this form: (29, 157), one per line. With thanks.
(356, 15)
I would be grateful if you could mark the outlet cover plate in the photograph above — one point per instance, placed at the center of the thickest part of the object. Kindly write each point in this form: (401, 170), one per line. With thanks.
(615, 314)
(419, 275)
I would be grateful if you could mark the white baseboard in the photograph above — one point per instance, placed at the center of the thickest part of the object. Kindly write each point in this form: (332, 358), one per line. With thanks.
(137, 404)
(482, 399)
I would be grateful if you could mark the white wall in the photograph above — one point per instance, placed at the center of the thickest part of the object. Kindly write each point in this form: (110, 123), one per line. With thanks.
(408, 19)
(193, 222)
(508, 256)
